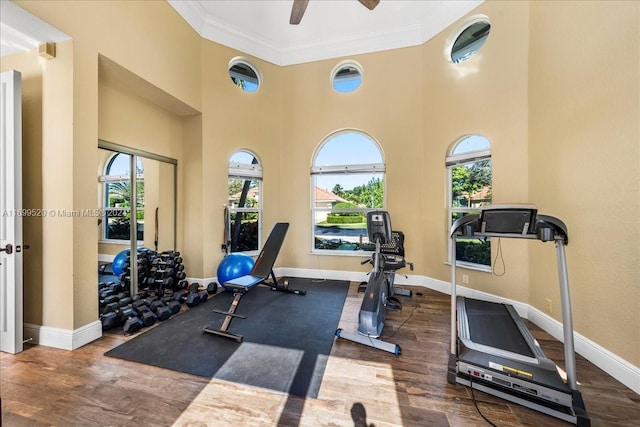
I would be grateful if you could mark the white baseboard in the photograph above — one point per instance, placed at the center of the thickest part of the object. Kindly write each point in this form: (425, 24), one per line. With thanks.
(612, 364)
(64, 339)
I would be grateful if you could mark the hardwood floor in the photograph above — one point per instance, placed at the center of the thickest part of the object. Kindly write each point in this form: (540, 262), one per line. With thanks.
(361, 386)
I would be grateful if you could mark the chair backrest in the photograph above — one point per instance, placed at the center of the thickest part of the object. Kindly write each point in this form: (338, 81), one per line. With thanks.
(270, 250)
(395, 246)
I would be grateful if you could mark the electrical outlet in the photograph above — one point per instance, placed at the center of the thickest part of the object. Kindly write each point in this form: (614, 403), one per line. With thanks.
(465, 279)
(548, 306)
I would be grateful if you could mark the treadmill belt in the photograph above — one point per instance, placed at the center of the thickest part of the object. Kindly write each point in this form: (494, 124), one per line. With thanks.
(491, 324)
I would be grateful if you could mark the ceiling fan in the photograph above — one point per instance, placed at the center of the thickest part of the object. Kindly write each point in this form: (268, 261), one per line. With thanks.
(299, 6)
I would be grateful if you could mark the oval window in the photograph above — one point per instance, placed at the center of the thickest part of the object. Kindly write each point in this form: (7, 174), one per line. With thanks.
(346, 77)
(468, 39)
(244, 75)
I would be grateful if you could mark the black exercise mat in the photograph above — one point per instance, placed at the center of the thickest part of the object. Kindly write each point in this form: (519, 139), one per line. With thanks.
(287, 338)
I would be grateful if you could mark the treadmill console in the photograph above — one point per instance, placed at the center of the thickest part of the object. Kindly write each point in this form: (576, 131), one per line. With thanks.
(508, 219)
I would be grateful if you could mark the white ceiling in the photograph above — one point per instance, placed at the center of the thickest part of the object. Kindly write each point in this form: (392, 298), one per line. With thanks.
(329, 28)
(20, 31)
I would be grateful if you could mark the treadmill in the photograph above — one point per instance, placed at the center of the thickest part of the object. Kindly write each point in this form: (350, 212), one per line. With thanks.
(491, 348)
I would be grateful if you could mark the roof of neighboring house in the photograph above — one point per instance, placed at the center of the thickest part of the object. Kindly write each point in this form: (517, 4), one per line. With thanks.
(482, 194)
(323, 195)
(252, 194)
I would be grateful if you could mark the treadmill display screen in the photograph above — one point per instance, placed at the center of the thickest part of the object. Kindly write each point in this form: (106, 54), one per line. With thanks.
(508, 220)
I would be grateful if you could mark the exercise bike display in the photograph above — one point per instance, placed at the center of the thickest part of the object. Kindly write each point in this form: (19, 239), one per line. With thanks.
(380, 288)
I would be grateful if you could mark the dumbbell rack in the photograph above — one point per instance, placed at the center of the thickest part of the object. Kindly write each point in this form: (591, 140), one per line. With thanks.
(162, 289)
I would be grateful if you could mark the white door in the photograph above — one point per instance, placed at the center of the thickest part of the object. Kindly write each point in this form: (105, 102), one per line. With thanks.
(11, 212)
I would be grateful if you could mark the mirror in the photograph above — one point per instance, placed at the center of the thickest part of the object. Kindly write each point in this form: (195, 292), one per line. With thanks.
(154, 210)
(468, 39)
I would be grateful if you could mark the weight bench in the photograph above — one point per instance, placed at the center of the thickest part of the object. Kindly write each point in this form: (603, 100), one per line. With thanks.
(261, 271)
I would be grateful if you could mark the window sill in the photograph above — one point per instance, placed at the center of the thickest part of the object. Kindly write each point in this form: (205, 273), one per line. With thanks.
(355, 254)
(119, 242)
(474, 267)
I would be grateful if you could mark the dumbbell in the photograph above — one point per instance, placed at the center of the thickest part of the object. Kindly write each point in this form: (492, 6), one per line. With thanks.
(159, 262)
(125, 312)
(161, 310)
(108, 300)
(212, 288)
(174, 306)
(110, 308)
(132, 324)
(145, 314)
(125, 301)
(196, 298)
(203, 296)
(193, 298)
(109, 321)
(180, 296)
(166, 281)
(168, 271)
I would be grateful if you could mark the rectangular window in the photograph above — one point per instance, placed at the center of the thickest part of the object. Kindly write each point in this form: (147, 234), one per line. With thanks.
(339, 208)
(470, 186)
(118, 207)
(244, 213)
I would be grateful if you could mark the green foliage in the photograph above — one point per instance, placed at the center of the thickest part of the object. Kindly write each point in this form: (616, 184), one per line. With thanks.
(369, 195)
(345, 218)
(474, 251)
(235, 186)
(468, 179)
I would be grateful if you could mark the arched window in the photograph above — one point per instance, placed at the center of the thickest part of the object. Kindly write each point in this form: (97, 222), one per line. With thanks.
(117, 198)
(470, 188)
(347, 180)
(244, 204)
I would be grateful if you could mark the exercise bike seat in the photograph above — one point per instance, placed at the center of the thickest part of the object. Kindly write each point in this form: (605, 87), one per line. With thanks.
(393, 263)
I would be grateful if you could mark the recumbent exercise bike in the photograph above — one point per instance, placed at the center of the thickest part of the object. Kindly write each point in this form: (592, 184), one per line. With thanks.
(380, 288)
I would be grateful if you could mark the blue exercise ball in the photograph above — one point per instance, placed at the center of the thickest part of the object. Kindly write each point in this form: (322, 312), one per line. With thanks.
(234, 265)
(120, 260)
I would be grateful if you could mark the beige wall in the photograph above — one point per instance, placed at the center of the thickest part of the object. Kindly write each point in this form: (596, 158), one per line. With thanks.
(584, 161)
(166, 53)
(543, 100)
(48, 278)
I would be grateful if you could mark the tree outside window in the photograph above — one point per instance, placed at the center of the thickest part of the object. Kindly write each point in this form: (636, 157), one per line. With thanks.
(243, 204)
(117, 202)
(347, 181)
(470, 183)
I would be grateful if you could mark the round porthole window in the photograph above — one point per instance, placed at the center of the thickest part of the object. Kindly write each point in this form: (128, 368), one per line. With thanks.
(467, 39)
(244, 75)
(346, 76)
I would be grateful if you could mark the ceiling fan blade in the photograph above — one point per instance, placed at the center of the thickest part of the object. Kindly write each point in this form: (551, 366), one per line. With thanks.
(299, 6)
(369, 4)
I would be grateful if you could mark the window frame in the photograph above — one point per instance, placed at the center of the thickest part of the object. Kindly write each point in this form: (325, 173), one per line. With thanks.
(343, 169)
(245, 171)
(452, 161)
(107, 179)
